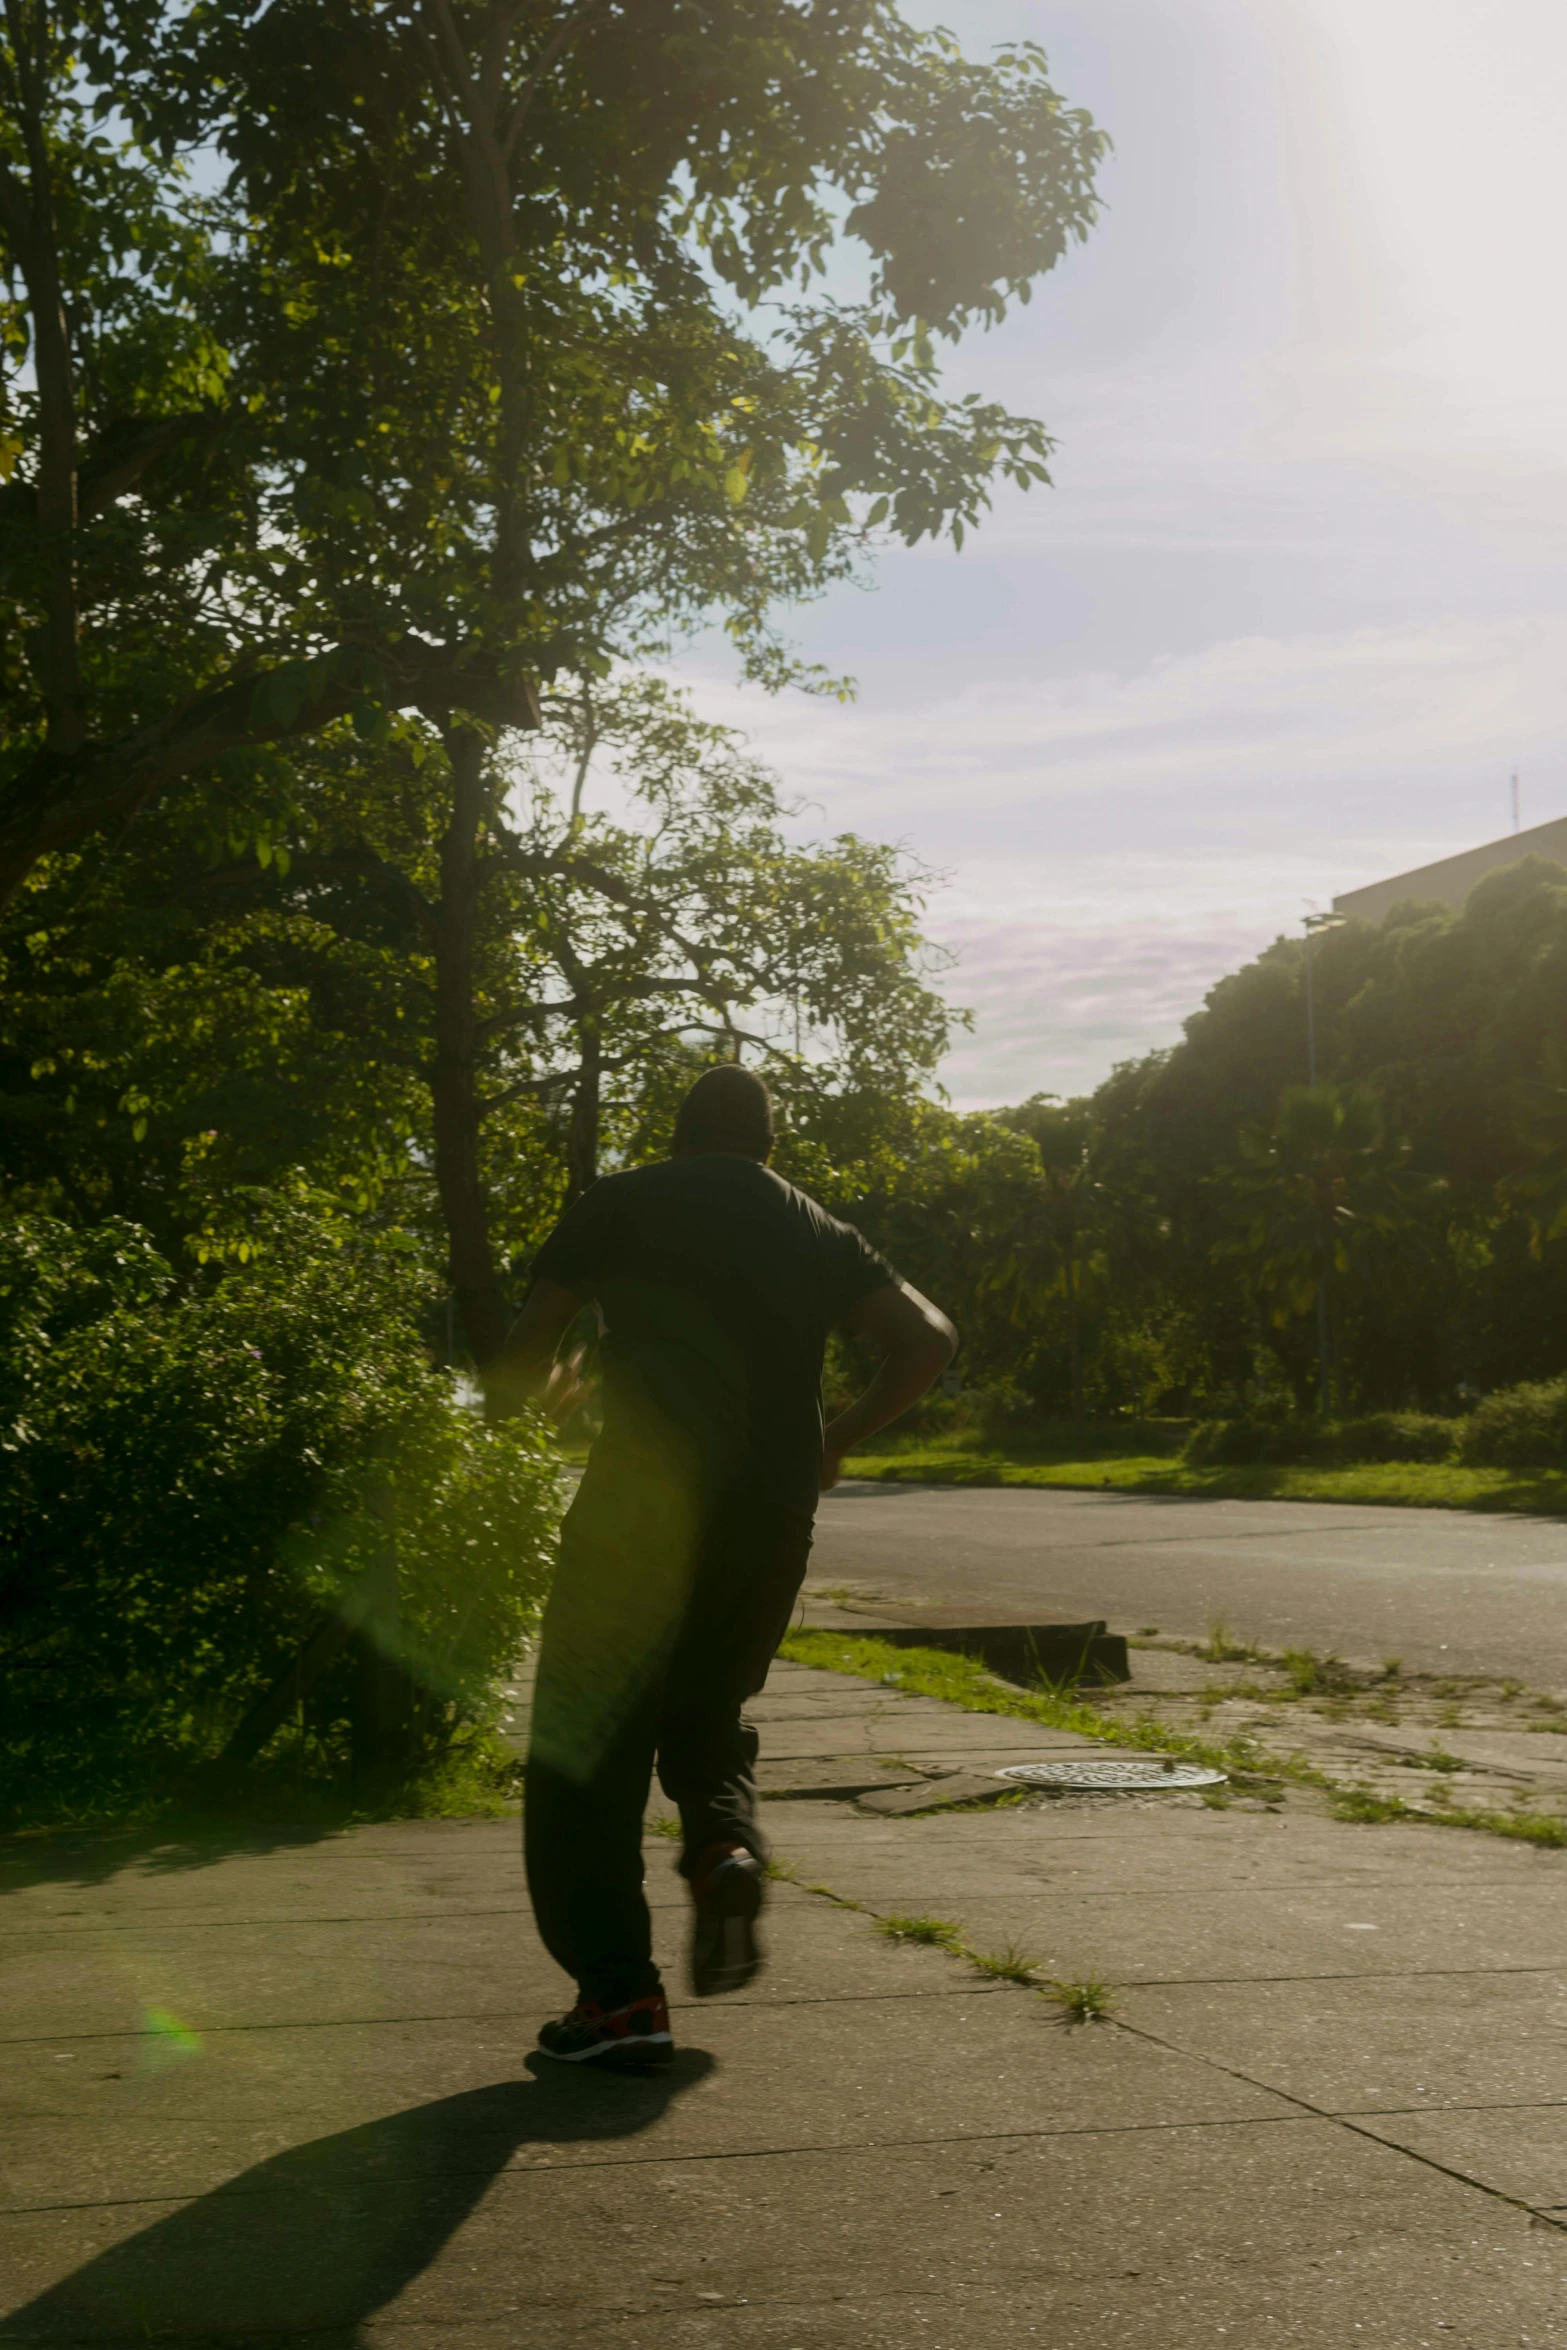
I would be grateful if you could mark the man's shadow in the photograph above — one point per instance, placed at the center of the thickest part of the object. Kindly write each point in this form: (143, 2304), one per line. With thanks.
(318, 2239)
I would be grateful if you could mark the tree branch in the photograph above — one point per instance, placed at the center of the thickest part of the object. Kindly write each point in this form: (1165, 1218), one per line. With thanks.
(29, 217)
(572, 26)
(58, 800)
(114, 464)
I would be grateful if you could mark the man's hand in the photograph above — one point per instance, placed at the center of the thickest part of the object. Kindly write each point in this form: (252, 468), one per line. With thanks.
(526, 1371)
(917, 1343)
(565, 1387)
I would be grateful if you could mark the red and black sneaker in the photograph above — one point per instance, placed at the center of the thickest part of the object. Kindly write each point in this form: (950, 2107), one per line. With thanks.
(630, 2039)
(728, 1886)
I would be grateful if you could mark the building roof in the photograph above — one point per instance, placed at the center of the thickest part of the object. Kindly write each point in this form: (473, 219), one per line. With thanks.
(1452, 878)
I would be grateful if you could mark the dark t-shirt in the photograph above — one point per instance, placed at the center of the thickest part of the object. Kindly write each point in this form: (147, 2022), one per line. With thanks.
(718, 1284)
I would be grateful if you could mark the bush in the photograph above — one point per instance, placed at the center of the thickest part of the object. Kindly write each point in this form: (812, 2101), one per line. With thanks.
(197, 1470)
(1380, 1436)
(1519, 1427)
(1399, 1436)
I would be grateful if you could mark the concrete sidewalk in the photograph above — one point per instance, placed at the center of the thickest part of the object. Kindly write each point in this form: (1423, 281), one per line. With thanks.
(282, 2090)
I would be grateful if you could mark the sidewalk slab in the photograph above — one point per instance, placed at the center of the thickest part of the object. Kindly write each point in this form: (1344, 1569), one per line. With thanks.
(1391, 2043)
(1176, 2238)
(989, 2064)
(1302, 2133)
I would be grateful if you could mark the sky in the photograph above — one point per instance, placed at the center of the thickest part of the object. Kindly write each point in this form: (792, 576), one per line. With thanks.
(1296, 606)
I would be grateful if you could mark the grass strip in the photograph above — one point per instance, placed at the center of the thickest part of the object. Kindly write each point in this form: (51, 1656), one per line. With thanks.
(1389, 1484)
(960, 1681)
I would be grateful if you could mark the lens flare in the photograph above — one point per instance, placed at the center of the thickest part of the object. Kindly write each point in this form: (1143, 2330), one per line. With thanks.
(169, 2037)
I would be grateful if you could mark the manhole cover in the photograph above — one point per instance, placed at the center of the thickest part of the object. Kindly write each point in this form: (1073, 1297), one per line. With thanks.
(1123, 1777)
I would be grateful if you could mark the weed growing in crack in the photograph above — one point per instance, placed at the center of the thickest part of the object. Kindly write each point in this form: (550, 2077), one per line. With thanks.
(942, 1933)
(1008, 1965)
(1222, 1648)
(1311, 1675)
(1088, 2002)
(662, 1825)
(1359, 1803)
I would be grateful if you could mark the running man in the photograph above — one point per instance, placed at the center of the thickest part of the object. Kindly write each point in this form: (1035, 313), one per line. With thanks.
(684, 1551)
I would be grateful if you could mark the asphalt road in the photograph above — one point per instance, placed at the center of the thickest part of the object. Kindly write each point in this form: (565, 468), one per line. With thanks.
(1443, 1590)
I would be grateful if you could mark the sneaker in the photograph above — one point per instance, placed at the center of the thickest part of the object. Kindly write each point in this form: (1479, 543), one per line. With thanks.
(728, 1888)
(630, 2039)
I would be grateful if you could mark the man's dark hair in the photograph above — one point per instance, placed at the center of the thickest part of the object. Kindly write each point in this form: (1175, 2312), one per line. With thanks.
(728, 1109)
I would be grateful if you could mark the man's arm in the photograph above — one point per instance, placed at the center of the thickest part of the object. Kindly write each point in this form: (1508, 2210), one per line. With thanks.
(525, 1371)
(917, 1343)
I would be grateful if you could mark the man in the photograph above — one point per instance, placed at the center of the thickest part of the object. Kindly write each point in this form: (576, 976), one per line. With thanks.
(683, 1553)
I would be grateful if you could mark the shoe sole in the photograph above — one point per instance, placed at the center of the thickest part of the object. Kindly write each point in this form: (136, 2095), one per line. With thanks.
(725, 1954)
(619, 2056)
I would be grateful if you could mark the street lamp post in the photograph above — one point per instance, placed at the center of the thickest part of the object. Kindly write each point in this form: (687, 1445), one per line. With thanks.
(1313, 923)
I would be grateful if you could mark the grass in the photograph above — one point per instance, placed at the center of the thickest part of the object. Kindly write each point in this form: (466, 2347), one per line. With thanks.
(479, 1777)
(1312, 1675)
(1397, 1484)
(1088, 2002)
(1523, 1826)
(958, 1680)
(1007, 1965)
(1222, 1648)
(943, 1933)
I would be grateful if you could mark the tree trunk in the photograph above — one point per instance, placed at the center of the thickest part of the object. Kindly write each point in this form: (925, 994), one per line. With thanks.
(1324, 1348)
(582, 1135)
(454, 1079)
(28, 215)
(1071, 1326)
(382, 1727)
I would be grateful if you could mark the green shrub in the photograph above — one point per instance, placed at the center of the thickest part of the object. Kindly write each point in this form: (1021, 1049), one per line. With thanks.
(1519, 1427)
(196, 1469)
(1379, 1436)
(1399, 1436)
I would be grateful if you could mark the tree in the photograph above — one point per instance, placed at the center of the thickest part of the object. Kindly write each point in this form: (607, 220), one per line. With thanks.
(462, 382)
(153, 622)
(1068, 1142)
(690, 922)
(184, 1025)
(1308, 1193)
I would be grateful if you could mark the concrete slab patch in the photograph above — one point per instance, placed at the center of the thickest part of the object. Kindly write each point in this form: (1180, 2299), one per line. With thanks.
(1098, 2240)
(1516, 2150)
(1396, 2042)
(936, 1794)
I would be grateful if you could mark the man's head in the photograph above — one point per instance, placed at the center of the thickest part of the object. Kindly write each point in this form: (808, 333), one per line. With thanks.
(728, 1109)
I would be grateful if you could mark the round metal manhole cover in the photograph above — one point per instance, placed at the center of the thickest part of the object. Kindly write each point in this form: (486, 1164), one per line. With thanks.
(1120, 1776)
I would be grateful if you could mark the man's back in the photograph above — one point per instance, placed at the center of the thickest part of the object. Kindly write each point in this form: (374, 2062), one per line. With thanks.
(718, 1282)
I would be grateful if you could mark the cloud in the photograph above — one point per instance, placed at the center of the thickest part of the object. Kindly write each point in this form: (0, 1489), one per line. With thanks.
(1113, 843)
(1222, 739)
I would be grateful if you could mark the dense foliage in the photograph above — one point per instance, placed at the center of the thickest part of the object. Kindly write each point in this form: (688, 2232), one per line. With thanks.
(1208, 1231)
(381, 392)
(486, 346)
(197, 1471)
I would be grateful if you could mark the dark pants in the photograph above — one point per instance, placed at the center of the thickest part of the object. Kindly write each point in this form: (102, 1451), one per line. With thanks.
(655, 1635)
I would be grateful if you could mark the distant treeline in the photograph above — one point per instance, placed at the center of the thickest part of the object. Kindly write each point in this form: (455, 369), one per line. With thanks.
(1197, 1234)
